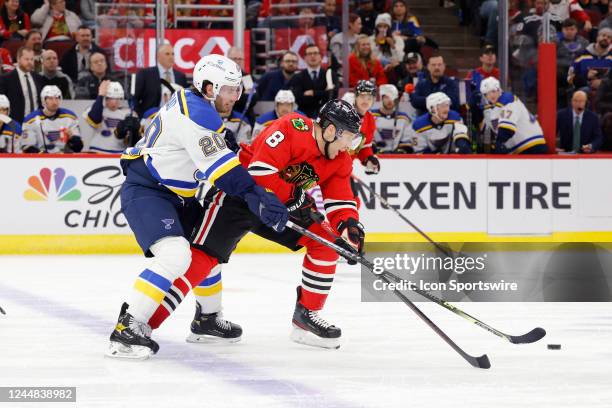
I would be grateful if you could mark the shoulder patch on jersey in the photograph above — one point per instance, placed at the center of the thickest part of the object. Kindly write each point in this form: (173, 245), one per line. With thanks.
(299, 124)
(32, 116)
(199, 111)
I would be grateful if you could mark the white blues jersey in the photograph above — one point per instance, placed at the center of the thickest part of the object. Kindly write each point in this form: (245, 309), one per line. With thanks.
(37, 127)
(184, 145)
(511, 114)
(393, 131)
(10, 132)
(147, 117)
(240, 126)
(104, 122)
(441, 138)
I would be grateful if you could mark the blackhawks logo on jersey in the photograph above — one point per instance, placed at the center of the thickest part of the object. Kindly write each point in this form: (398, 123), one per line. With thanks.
(299, 124)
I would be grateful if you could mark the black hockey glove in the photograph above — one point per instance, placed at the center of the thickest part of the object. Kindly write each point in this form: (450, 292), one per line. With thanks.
(372, 165)
(267, 207)
(352, 237)
(230, 141)
(303, 209)
(129, 129)
(73, 145)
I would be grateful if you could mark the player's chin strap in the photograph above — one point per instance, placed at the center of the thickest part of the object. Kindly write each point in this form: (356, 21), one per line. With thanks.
(328, 143)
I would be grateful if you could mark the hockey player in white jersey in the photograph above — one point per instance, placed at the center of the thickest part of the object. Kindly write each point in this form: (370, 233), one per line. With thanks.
(181, 148)
(440, 130)
(52, 129)
(394, 132)
(515, 129)
(104, 116)
(284, 103)
(10, 131)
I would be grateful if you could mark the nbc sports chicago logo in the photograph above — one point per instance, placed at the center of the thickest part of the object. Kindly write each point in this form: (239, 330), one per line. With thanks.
(52, 185)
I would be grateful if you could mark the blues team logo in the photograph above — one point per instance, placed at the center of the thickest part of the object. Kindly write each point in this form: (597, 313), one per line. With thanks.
(168, 222)
(299, 124)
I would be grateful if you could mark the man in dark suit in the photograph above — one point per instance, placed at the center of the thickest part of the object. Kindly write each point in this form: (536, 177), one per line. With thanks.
(75, 62)
(149, 80)
(273, 81)
(22, 86)
(578, 128)
(310, 86)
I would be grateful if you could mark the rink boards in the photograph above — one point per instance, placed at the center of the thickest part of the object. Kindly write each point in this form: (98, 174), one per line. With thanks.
(70, 204)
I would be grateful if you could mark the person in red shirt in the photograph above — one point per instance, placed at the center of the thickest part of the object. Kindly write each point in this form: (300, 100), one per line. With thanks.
(14, 23)
(363, 66)
(290, 156)
(365, 94)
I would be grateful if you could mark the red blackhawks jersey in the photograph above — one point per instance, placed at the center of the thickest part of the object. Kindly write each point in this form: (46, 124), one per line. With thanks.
(290, 141)
(368, 128)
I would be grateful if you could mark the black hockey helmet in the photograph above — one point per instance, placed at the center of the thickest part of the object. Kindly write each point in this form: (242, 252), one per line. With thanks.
(365, 87)
(341, 114)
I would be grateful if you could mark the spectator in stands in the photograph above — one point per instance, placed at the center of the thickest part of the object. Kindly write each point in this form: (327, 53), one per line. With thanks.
(569, 46)
(150, 80)
(368, 16)
(604, 96)
(6, 61)
(363, 65)
(314, 85)
(87, 86)
(408, 72)
(330, 20)
(51, 75)
(10, 131)
(272, 82)
(248, 99)
(607, 21)
(407, 26)
(33, 41)
(22, 86)
(336, 43)
(435, 81)
(88, 13)
(578, 128)
(75, 62)
(14, 23)
(31, 5)
(55, 22)
(565, 9)
(596, 59)
(386, 47)
(52, 129)
(487, 69)
(284, 103)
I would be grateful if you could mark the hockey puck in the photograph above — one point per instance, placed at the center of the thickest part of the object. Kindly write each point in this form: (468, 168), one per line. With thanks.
(554, 347)
(2, 311)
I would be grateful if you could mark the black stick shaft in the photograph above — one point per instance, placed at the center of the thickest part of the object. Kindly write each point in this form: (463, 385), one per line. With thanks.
(479, 362)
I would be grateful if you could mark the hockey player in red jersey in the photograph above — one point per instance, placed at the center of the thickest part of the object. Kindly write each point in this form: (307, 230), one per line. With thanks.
(290, 156)
(365, 94)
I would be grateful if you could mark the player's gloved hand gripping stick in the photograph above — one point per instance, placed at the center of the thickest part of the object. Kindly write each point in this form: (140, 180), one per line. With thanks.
(482, 361)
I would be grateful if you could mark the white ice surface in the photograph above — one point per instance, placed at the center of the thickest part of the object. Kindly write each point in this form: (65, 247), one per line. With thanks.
(61, 309)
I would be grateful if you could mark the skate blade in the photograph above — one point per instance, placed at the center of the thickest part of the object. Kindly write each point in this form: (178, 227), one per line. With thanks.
(121, 351)
(307, 338)
(208, 339)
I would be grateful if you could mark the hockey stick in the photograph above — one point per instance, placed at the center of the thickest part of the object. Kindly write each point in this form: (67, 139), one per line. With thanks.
(445, 250)
(478, 362)
(530, 337)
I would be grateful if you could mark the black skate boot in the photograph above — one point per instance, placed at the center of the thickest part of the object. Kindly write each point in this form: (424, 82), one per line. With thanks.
(310, 329)
(212, 328)
(131, 339)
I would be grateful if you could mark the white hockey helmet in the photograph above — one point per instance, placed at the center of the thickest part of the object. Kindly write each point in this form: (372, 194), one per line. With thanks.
(349, 97)
(388, 90)
(489, 84)
(5, 103)
(434, 100)
(219, 71)
(284, 96)
(49, 91)
(115, 91)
